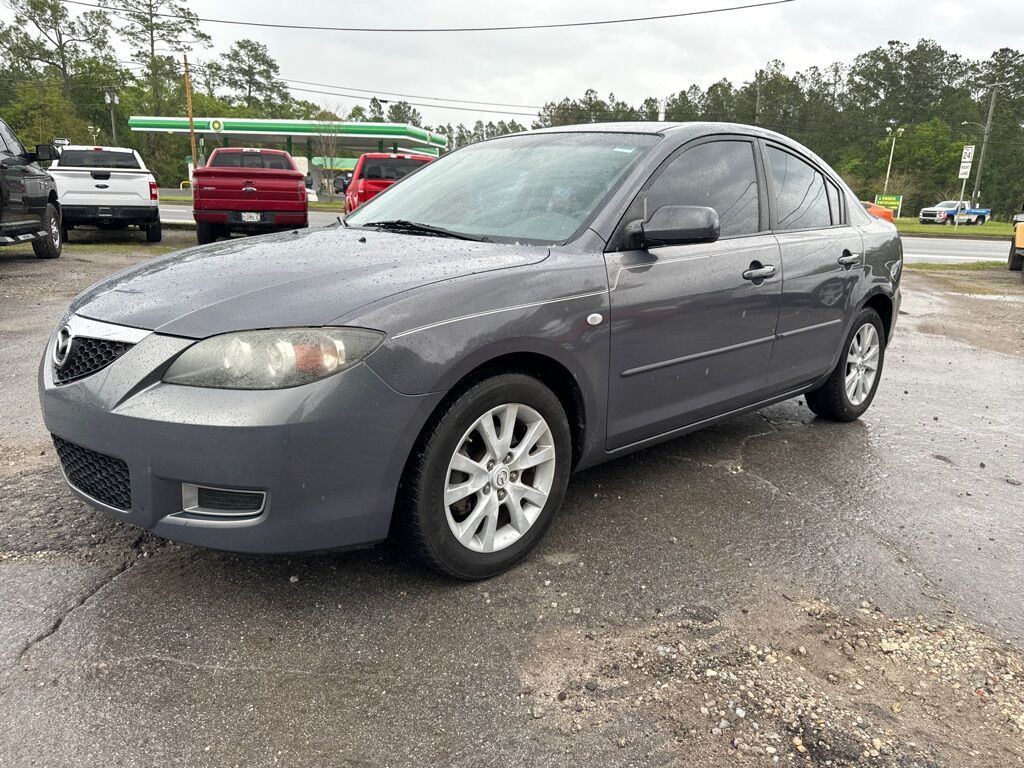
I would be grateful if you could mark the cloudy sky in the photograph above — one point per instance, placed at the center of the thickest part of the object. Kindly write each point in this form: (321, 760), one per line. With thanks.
(631, 60)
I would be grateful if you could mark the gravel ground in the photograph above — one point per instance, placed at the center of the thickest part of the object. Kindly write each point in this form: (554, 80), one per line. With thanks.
(773, 590)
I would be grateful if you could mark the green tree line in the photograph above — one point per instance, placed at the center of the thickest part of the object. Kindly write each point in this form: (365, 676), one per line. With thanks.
(56, 67)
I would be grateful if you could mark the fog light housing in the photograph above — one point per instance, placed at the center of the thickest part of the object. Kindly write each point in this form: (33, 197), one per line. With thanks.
(207, 501)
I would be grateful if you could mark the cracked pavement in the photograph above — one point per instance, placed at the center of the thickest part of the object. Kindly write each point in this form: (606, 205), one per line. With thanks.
(118, 649)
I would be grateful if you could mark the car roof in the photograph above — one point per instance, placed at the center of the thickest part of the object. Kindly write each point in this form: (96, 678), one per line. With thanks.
(382, 155)
(93, 147)
(232, 150)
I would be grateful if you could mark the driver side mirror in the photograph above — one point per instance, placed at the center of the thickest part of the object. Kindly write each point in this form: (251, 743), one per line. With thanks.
(45, 153)
(680, 224)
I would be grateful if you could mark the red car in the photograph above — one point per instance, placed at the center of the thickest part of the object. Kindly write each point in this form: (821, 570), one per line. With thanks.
(375, 172)
(248, 190)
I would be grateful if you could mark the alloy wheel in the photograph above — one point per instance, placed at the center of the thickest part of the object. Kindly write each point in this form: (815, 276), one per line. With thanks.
(499, 478)
(862, 363)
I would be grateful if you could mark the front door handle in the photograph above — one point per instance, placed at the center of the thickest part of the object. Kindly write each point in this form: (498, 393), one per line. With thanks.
(759, 272)
(848, 259)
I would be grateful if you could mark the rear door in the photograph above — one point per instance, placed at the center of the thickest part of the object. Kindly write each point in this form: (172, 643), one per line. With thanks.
(822, 260)
(691, 335)
(18, 208)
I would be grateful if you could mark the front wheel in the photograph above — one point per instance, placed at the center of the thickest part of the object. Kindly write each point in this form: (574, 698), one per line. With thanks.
(50, 245)
(486, 478)
(851, 387)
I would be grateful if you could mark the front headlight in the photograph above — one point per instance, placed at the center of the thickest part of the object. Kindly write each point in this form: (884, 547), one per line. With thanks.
(273, 359)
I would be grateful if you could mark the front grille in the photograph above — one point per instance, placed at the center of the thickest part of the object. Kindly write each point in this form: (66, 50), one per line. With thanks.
(102, 477)
(88, 356)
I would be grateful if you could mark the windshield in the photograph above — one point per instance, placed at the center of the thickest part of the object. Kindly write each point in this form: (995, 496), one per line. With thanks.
(96, 158)
(537, 188)
(947, 204)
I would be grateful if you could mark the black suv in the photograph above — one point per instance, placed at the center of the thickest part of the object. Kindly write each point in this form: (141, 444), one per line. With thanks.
(29, 211)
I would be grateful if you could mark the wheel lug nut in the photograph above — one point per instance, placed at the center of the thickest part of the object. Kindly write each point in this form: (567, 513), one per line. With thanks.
(487, 488)
(501, 494)
(508, 458)
(490, 464)
(514, 476)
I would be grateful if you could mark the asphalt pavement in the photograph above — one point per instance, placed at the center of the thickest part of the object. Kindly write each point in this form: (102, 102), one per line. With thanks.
(773, 590)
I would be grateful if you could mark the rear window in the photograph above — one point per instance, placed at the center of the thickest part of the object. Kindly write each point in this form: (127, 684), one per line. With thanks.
(390, 168)
(250, 160)
(97, 158)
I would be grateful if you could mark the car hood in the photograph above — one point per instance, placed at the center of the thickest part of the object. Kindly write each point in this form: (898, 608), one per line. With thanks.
(303, 278)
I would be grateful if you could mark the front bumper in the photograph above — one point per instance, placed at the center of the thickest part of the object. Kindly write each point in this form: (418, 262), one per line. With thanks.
(114, 214)
(328, 455)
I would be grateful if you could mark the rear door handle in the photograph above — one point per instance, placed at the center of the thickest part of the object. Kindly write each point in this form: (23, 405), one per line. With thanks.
(848, 259)
(248, 189)
(757, 273)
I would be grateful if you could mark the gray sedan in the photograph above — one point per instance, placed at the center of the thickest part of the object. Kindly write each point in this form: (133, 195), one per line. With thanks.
(437, 366)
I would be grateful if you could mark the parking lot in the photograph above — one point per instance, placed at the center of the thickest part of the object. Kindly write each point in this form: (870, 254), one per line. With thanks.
(775, 589)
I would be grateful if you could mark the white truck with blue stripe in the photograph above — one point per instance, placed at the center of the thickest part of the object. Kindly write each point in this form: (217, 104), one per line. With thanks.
(944, 213)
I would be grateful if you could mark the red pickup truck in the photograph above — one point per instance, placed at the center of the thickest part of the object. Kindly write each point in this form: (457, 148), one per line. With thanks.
(375, 172)
(248, 190)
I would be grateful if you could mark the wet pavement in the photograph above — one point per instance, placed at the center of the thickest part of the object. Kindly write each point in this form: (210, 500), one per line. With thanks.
(848, 588)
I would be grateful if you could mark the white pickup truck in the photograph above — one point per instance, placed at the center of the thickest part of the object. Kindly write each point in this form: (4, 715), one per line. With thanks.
(107, 187)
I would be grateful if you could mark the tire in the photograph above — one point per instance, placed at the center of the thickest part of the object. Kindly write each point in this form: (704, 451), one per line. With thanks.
(425, 524)
(205, 232)
(832, 400)
(154, 232)
(50, 247)
(980, 221)
(1015, 261)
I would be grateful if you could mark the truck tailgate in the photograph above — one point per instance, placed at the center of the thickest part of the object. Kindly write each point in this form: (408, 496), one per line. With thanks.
(102, 186)
(248, 189)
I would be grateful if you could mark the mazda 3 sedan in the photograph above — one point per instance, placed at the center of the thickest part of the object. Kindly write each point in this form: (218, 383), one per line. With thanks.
(436, 366)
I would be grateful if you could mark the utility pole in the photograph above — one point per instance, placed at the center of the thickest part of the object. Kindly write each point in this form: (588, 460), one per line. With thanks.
(112, 99)
(892, 151)
(757, 96)
(984, 144)
(661, 110)
(191, 121)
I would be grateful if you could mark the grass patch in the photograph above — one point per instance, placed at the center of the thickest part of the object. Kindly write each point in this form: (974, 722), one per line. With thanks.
(970, 266)
(991, 229)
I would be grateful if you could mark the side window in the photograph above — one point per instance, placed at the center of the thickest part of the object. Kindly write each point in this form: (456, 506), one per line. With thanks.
(800, 198)
(5, 147)
(717, 174)
(833, 202)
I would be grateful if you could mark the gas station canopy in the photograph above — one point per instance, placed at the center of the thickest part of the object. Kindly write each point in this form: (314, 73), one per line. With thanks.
(351, 137)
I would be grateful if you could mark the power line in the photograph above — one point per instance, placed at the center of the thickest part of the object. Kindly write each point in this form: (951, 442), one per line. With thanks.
(509, 28)
(377, 92)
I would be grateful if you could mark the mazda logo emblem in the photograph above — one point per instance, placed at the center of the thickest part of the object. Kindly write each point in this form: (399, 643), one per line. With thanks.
(62, 346)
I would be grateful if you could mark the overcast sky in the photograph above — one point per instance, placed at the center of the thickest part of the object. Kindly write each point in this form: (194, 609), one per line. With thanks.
(632, 60)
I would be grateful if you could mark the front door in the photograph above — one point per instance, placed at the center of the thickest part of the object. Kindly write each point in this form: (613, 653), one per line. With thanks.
(15, 175)
(691, 334)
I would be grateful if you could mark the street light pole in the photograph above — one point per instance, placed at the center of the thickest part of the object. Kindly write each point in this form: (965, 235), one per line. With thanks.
(984, 144)
(112, 99)
(892, 151)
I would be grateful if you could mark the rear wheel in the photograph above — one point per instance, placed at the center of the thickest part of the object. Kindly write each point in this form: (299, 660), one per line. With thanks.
(1015, 261)
(50, 245)
(154, 232)
(486, 478)
(980, 220)
(851, 387)
(205, 232)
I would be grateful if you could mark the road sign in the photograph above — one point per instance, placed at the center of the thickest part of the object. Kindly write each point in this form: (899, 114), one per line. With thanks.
(965, 171)
(893, 202)
(968, 154)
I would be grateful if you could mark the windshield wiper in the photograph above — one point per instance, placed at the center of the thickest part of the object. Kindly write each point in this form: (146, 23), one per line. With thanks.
(412, 227)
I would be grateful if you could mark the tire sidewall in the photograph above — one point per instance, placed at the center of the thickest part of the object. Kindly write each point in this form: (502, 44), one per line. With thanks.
(45, 248)
(450, 555)
(865, 317)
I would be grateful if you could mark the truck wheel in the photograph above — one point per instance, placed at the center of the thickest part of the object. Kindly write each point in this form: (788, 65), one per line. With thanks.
(154, 233)
(1015, 261)
(980, 220)
(205, 232)
(49, 247)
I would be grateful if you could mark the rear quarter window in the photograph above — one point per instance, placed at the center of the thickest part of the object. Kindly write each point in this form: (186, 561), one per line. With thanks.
(97, 158)
(390, 168)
